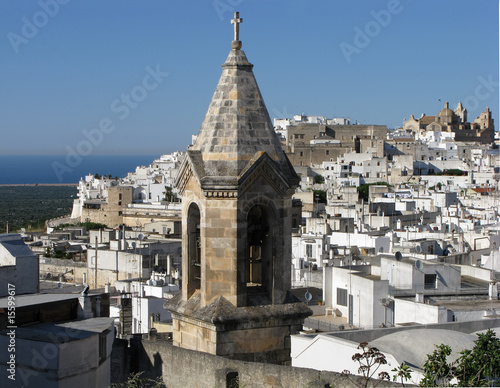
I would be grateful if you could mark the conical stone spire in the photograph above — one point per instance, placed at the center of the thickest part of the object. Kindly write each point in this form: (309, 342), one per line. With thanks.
(237, 125)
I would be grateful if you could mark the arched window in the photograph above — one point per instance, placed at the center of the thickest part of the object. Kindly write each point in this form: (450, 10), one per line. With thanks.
(194, 249)
(259, 264)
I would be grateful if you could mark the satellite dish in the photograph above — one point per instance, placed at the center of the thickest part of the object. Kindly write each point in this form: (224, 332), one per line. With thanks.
(398, 256)
(308, 296)
(418, 248)
(141, 237)
(418, 265)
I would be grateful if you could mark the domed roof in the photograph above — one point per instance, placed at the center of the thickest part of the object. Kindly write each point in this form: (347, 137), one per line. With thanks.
(446, 111)
(413, 346)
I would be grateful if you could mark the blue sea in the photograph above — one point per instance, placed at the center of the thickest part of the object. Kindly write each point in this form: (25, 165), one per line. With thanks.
(25, 169)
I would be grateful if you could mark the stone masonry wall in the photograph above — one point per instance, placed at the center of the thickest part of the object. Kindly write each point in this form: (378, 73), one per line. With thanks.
(187, 368)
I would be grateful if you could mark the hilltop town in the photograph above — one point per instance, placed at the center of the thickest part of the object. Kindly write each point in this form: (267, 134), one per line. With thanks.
(265, 251)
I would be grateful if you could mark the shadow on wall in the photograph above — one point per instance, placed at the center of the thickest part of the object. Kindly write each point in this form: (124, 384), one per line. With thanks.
(181, 368)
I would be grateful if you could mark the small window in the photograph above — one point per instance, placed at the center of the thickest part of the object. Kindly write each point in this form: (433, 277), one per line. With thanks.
(342, 297)
(309, 250)
(430, 281)
(102, 346)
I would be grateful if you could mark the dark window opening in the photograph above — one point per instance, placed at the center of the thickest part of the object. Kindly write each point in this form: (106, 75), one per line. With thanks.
(232, 380)
(430, 281)
(342, 297)
(194, 249)
(259, 251)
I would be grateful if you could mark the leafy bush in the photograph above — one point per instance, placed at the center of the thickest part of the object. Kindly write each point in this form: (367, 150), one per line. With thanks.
(319, 179)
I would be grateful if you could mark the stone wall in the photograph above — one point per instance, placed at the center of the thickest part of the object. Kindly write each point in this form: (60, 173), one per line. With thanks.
(56, 267)
(188, 368)
(109, 213)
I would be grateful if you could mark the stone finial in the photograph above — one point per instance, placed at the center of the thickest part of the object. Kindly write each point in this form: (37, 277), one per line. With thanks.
(236, 43)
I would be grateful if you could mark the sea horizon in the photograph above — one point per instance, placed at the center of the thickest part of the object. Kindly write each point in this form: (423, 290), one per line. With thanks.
(62, 169)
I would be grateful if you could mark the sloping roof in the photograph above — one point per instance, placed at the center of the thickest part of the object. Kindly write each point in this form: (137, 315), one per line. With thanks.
(64, 332)
(221, 311)
(36, 299)
(426, 120)
(15, 245)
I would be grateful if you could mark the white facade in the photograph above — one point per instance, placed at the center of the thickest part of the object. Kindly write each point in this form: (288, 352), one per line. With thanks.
(416, 276)
(145, 310)
(19, 266)
(357, 293)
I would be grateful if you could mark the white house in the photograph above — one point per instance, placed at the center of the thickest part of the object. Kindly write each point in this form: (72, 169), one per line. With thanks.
(359, 294)
(19, 266)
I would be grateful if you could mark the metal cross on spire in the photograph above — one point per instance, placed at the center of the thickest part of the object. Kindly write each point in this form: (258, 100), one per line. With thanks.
(236, 21)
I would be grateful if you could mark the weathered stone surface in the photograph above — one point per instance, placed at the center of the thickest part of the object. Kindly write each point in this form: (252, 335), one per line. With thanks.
(221, 311)
(236, 185)
(182, 368)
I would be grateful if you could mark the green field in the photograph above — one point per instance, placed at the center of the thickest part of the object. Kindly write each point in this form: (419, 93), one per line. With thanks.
(30, 206)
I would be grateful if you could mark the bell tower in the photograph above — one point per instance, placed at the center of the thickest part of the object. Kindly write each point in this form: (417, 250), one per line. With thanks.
(236, 185)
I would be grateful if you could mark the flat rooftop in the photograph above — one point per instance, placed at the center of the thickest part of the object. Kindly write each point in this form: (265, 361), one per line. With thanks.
(467, 304)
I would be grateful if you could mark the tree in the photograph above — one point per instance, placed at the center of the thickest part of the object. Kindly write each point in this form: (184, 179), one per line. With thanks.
(364, 189)
(319, 179)
(481, 365)
(402, 372)
(319, 196)
(369, 363)
(170, 196)
(437, 371)
(89, 225)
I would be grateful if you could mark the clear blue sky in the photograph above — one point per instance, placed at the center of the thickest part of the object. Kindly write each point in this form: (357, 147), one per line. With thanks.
(69, 74)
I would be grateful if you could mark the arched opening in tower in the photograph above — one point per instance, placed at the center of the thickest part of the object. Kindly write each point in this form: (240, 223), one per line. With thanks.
(259, 263)
(194, 249)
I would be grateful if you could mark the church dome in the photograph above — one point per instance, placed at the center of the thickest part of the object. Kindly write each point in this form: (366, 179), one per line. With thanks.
(446, 111)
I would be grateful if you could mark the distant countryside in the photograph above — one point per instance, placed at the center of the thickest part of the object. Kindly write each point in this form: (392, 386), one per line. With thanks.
(30, 206)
